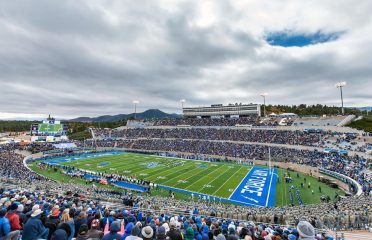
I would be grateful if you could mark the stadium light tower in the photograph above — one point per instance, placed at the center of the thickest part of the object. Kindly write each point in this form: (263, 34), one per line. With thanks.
(264, 97)
(340, 85)
(135, 102)
(182, 103)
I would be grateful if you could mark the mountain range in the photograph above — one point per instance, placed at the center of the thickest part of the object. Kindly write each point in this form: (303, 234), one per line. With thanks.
(148, 114)
(365, 108)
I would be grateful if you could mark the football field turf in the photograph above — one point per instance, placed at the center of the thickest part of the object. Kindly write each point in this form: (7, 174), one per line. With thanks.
(239, 184)
(232, 183)
(198, 176)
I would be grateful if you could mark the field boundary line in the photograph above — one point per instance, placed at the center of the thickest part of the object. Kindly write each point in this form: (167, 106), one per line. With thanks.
(271, 180)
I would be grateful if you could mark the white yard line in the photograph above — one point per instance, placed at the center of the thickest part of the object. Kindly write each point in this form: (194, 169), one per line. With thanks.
(204, 177)
(216, 178)
(227, 181)
(240, 182)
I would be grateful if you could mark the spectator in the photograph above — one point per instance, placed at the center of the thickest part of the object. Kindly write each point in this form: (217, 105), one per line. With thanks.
(94, 232)
(113, 234)
(34, 228)
(147, 233)
(69, 221)
(305, 231)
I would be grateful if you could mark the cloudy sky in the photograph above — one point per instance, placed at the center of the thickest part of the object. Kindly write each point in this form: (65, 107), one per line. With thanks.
(87, 58)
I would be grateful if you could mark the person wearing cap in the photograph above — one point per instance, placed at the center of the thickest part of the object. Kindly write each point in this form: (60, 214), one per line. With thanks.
(147, 233)
(113, 234)
(94, 232)
(305, 231)
(52, 221)
(34, 228)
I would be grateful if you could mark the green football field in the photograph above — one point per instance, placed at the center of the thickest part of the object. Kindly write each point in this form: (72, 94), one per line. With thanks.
(215, 179)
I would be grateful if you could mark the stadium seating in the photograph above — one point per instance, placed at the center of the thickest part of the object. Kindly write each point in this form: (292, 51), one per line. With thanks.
(24, 193)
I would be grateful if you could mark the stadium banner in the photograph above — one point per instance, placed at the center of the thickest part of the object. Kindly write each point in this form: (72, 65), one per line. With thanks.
(257, 188)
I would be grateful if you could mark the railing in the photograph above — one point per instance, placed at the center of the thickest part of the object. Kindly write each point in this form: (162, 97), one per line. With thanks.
(343, 178)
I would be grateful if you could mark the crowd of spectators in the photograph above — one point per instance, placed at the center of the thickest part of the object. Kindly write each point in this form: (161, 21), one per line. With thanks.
(225, 134)
(352, 166)
(38, 214)
(42, 209)
(253, 120)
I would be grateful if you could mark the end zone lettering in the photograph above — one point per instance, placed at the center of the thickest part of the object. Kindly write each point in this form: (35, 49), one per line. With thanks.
(256, 183)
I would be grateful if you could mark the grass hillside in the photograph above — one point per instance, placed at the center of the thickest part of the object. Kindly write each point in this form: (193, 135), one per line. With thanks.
(364, 124)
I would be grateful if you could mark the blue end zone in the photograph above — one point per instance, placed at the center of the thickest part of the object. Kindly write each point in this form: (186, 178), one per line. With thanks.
(257, 188)
(58, 160)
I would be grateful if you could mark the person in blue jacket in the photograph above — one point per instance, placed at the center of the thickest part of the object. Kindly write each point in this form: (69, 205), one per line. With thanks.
(4, 225)
(113, 234)
(34, 228)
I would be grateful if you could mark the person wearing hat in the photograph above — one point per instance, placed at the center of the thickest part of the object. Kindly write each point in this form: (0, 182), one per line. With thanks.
(305, 231)
(52, 221)
(13, 218)
(147, 233)
(94, 232)
(34, 228)
(113, 234)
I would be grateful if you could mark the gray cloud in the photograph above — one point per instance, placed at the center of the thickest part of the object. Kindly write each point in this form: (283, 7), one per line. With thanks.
(89, 58)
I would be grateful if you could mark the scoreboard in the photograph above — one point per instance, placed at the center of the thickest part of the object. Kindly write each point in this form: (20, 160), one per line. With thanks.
(49, 127)
(34, 129)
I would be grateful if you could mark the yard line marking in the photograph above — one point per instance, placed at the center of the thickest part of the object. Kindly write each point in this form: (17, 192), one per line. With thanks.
(172, 170)
(191, 169)
(228, 169)
(204, 177)
(227, 180)
(241, 182)
(188, 177)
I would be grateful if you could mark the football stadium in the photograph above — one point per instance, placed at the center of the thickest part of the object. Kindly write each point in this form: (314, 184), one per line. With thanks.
(185, 120)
